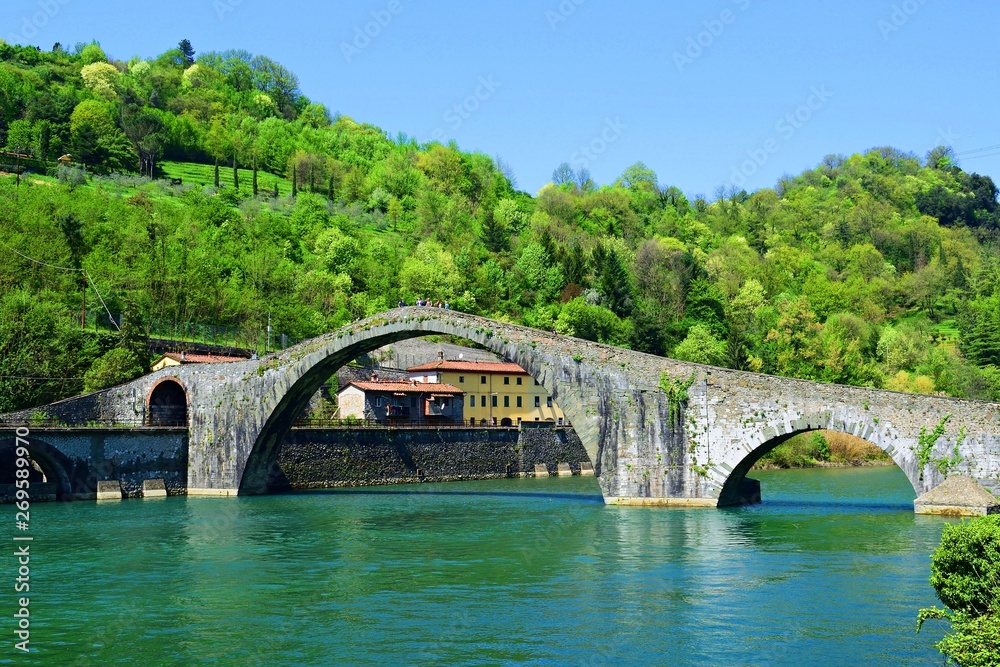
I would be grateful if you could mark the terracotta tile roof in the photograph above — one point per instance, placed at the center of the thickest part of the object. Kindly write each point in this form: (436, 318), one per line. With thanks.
(407, 387)
(470, 366)
(201, 358)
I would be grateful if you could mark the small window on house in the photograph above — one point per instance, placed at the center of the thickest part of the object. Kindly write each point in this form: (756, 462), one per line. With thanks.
(461, 379)
(506, 380)
(519, 380)
(378, 401)
(548, 401)
(482, 401)
(506, 401)
(538, 401)
(536, 383)
(482, 379)
(472, 401)
(518, 401)
(494, 397)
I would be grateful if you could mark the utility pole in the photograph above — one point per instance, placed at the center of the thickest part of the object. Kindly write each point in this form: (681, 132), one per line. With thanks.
(83, 311)
(267, 347)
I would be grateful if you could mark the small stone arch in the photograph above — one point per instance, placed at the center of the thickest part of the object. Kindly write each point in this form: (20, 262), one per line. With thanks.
(167, 403)
(739, 490)
(55, 465)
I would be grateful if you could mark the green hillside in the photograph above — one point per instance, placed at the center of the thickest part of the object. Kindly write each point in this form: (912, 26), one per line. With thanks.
(876, 269)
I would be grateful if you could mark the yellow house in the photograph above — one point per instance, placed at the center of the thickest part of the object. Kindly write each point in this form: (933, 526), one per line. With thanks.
(496, 392)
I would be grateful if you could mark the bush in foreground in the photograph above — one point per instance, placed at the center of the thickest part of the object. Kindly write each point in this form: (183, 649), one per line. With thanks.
(965, 573)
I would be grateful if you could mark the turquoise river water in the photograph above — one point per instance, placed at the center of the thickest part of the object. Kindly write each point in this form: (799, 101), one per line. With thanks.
(829, 570)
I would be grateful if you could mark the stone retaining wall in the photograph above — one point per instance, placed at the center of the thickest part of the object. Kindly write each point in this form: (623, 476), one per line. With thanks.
(322, 458)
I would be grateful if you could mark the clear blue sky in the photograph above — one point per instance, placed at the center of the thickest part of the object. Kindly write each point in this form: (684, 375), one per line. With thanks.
(626, 79)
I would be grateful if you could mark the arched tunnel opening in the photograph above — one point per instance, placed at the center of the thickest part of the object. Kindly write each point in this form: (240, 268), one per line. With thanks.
(485, 398)
(167, 405)
(810, 450)
(48, 472)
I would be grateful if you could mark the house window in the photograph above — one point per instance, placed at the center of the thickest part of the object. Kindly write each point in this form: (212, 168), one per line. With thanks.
(538, 401)
(378, 401)
(519, 380)
(482, 401)
(482, 379)
(506, 401)
(472, 401)
(518, 401)
(548, 401)
(506, 380)
(494, 397)
(536, 383)
(461, 379)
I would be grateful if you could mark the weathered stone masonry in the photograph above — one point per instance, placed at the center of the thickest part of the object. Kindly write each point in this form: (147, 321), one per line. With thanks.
(647, 447)
(76, 459)
(323, 458)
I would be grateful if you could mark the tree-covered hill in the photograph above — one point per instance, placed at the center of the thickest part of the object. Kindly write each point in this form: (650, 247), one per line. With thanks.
(877, 269)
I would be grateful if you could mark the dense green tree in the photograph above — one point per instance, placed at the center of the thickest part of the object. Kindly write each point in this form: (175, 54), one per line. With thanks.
(965, 574)
(187, 52)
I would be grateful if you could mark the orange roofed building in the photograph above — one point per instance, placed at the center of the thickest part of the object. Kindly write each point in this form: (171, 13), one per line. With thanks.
(496, 392)
(400, 400)
(178, 358)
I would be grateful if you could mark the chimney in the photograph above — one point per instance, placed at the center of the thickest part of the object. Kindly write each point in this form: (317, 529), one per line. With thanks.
(440, 355)
(183, 357)
(374, 377)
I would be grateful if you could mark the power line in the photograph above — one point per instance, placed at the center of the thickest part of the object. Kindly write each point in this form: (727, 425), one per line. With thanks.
(39, 379)
(64, 268)
(110, 316)
(974, 157)
(31, 259)
(979, 150)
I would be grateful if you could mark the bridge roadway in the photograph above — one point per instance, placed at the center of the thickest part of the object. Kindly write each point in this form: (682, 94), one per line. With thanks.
(658, 431)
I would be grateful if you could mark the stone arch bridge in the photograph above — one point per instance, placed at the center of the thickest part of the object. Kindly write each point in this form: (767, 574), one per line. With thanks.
(658, 431)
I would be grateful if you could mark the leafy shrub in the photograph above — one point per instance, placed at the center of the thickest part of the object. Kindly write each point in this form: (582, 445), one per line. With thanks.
(965, 573)
(116, 367)
(71, 176)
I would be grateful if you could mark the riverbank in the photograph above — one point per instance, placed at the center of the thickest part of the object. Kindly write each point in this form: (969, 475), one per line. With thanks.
(761, 465)
(823, 449)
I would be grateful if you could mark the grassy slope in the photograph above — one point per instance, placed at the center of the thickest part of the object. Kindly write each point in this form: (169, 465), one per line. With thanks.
(204, 174)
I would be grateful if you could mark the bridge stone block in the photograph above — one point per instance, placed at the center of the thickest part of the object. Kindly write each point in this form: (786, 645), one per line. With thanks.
(541, 470)
(109, 490)
(563, 470)
(154, 488)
